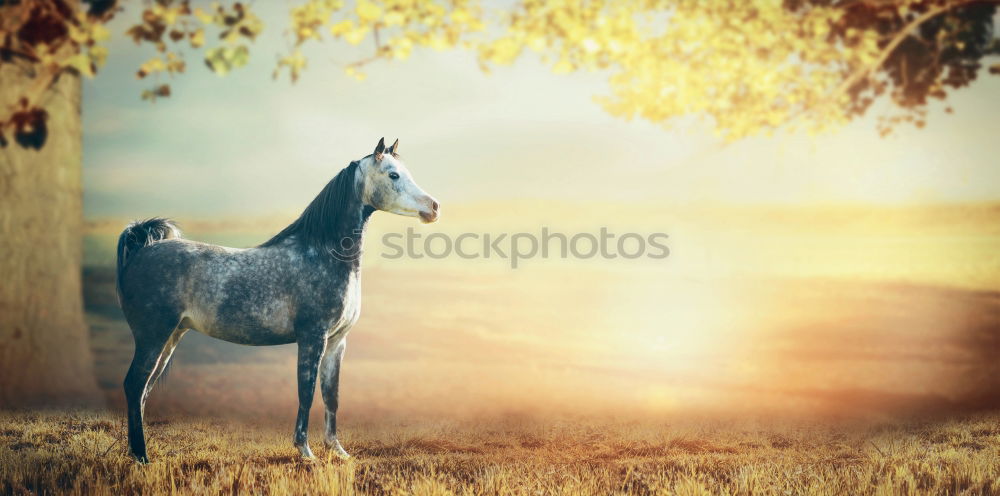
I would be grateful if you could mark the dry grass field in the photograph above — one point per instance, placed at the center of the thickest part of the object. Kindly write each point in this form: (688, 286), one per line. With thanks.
(53, 453)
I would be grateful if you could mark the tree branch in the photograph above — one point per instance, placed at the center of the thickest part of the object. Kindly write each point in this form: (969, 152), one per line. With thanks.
(7, 52)
(899, 37)
(373, 58)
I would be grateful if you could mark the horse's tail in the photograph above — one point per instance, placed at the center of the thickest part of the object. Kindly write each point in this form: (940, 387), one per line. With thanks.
(138, 235)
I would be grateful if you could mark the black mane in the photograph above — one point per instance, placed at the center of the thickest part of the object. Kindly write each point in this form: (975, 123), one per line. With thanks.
(336, 213)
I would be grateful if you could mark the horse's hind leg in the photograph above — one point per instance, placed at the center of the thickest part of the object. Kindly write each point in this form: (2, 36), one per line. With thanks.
(165, 356)
(149, 347)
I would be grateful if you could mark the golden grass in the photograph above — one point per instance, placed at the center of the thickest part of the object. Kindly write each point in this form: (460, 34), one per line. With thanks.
(81, 453)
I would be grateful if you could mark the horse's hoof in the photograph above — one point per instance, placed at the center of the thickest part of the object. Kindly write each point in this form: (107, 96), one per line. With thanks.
(141, 459)
(337, 450)
(306, 453)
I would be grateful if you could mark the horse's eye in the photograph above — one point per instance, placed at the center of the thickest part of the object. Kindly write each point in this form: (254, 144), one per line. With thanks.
(393, 176)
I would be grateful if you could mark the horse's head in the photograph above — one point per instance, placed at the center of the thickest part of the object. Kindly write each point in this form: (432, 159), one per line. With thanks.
(388, 186)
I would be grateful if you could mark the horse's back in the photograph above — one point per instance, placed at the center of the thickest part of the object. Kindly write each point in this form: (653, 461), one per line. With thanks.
(245, 296)
(249, 296)
(223, 292)
(165, 264)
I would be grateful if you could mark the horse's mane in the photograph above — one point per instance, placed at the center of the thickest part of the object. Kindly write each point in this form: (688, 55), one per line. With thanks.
(332, 215)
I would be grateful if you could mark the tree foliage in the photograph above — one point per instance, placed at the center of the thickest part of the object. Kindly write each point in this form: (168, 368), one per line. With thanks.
(746, 66)
(753, 66)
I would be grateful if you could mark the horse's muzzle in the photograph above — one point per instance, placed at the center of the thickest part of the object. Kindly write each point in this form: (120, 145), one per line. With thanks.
(430, 212)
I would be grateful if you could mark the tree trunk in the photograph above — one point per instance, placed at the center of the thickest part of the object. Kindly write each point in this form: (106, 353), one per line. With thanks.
(45, 356)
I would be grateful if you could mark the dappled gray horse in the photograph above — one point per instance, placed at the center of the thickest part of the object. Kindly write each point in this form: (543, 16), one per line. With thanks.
(301, 286)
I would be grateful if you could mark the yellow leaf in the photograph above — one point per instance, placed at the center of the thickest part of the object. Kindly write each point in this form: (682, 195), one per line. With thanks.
(355, 36)
(562, 67)
(170, 16)
(98, 54)
(202, 16)
(394, 18)
(198, 38)
(152, 65)
(438, 43)
(78, 35)
(341, 28)
(356, 74)
(100, 33)
(368, 11)
(80, 62)
(460, 16)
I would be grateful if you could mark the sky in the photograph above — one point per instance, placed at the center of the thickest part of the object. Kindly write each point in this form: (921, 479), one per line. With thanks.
(246, 144)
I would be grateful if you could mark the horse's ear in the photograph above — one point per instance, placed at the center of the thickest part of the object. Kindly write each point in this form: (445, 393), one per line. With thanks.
(394, 149)
(379, 149)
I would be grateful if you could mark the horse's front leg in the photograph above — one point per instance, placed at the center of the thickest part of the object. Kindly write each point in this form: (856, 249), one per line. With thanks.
(329, 385)
(310, 350)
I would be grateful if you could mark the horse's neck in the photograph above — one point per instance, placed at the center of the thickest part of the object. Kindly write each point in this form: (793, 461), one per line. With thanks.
(353, 226)
(351, 233)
